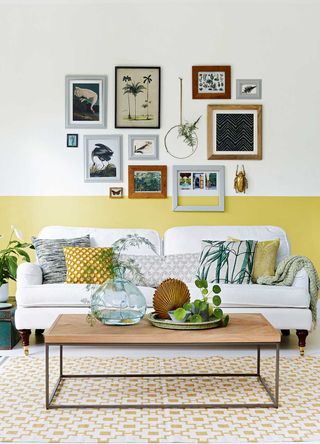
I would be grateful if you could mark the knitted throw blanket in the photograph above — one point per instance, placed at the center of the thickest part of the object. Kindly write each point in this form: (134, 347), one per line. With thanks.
(286, 273)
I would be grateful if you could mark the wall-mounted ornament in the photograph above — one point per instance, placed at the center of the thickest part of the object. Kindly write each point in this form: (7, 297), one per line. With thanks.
(240, 181)
(181, 141)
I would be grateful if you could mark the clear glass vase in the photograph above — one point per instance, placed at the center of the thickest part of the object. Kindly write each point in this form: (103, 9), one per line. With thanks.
(118, 302)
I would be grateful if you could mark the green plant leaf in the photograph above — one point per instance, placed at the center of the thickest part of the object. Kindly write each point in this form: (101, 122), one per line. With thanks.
(23, 253)
(187, 306)
(196, 318)
(225, 320)
(216, 300)
(196, 306)
(179, 314)
(203, 306)
(216, 289)
(204, 291)
(197, 283)
(218, 313)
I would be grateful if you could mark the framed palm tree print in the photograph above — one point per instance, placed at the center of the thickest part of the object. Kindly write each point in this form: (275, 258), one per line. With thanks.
(137, 97)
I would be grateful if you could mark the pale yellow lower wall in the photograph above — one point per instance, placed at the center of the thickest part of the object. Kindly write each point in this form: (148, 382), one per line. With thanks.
(298, 216)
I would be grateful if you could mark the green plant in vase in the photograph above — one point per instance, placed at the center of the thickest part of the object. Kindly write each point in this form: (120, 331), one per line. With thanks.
(201, 310)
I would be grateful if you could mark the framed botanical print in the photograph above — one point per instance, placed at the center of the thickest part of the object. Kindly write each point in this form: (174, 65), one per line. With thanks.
(85, 101)
(211, 82)
(148, 181)
(143, 147)
(198, 188)
(103, 158)
(235, 132)
(137, 97)
(249, 89)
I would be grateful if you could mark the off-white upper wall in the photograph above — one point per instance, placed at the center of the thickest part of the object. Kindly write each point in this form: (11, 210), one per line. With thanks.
(41, 43)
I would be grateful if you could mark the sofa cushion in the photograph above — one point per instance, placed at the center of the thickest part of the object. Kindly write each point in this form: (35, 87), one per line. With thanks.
(104, 237)
(51, 259)
(250, 295)
(226, 262)
(88, 265)
(179, 240)
(156, 269)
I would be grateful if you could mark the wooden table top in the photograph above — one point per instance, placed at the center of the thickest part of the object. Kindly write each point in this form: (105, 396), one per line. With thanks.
(242, 329)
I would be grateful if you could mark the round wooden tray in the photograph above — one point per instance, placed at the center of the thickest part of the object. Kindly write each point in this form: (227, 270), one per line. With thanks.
(167, 323)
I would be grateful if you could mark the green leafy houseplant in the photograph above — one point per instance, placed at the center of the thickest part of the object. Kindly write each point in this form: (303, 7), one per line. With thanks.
(201, 310)
(187, 130)
(10, 255)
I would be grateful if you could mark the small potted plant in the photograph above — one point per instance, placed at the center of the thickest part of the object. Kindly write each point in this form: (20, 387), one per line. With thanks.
(9, 257)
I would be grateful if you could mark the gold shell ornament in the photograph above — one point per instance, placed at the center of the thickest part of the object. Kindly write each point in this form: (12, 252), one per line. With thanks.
(171, 294)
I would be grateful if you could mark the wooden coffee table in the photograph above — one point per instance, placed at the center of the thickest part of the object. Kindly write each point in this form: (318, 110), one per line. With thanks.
(243, 329)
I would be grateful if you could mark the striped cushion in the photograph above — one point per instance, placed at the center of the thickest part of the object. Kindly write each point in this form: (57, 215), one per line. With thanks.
(51, 256)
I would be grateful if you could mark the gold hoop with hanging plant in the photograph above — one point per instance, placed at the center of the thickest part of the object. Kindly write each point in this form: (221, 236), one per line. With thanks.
(184, 132)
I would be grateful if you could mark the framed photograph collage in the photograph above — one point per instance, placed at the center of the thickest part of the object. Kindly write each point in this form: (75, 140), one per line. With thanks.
(234, 132)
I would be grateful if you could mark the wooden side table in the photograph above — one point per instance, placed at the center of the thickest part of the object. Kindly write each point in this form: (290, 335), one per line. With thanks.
(9, 336)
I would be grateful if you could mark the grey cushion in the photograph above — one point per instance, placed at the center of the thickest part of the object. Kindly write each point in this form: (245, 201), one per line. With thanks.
(51, 257)
(226, 262)
(156, 269)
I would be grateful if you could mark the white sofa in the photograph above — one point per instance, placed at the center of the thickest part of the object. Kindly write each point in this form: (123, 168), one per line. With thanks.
(286, 308)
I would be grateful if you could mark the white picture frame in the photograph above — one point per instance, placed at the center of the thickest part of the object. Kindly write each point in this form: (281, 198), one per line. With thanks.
(143, 147)
(103, 158)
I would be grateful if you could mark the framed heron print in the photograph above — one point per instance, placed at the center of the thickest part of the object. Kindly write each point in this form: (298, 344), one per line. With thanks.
(137, 97)
(103, 158)
(234, 132)
(85, 101)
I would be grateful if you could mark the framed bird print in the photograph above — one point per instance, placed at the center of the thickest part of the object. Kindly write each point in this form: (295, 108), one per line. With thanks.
(234, 132)
(137, 100)
(143, 147)
(85, 101)
(103, 158)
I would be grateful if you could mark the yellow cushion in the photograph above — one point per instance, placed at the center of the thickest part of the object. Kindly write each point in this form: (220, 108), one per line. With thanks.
(264, 260)
(87, 265)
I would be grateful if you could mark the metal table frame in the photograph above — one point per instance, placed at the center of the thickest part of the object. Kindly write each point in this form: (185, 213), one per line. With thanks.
(274, 396)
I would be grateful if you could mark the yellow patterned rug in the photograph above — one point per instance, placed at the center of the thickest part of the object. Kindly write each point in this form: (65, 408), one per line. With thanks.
(24, 418)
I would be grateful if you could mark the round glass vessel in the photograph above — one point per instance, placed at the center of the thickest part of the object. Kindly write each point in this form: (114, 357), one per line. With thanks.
(118, 302)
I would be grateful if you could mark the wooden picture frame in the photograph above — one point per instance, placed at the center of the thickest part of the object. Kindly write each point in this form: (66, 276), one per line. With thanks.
(85, 101)
(211, 82)
(150, 187)
(193, 183)
(234, 132)
(140, 108)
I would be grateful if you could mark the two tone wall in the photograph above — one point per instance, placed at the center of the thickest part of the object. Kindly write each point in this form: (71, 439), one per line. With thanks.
(41, 181)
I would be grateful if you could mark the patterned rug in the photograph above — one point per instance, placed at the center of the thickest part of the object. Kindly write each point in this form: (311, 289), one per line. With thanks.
(24, 418)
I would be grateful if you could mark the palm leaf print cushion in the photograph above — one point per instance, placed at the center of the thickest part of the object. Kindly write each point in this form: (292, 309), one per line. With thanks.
(226, 262)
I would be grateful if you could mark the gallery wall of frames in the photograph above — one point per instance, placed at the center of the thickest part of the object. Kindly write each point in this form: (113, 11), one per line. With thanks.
(234, 132)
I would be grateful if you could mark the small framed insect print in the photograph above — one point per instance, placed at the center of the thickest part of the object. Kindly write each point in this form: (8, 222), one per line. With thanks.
(85, 101)
(249, 89)
(143, 147)
(147, 181)
(211, 82)
(115, 192)
(103, 158)
(72, 140)
(234, 132)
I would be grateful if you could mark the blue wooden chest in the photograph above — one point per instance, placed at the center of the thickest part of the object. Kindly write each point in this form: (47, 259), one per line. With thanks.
(9, 336)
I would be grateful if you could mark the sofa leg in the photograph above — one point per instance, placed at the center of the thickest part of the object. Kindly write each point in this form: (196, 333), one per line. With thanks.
(302, 335)
(39, 331)
(285, 332)
(25, 335)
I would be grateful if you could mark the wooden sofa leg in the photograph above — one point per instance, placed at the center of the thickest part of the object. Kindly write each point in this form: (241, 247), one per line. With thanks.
(285, 332)
(25, 335)
(302, 335)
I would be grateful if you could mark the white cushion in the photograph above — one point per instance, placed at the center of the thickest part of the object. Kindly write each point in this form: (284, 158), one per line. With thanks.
(254, 295)
(61, 295)
(104, 237)
(179, 240)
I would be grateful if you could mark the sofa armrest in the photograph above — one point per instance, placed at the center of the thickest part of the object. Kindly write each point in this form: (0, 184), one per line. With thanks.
(29, 274)
(301, 280)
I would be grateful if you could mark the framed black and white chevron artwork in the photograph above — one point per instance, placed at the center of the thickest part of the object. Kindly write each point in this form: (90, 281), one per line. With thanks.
(235, 132)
